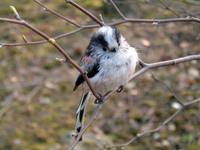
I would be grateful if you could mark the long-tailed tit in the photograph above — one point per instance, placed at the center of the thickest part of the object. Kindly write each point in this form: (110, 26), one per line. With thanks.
(109, 63)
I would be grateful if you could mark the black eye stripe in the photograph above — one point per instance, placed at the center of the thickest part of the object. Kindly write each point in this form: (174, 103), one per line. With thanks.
(102, 40)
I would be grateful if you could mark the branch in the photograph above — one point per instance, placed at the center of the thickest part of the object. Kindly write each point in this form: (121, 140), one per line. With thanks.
(40, 41)
(165, 63)
(56, 45)
(157, 21)
(92, 119)
(117, 9)
(85, 11)
(6, 104)
(83, 27)
(127, 20)
(57, 14)
(52, 41)
(167, 7)
(169, 89)
(157, 129)
(146, 67)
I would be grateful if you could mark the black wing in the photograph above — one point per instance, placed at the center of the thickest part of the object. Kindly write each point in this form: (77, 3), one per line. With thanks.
(91, 72)
(90, 61)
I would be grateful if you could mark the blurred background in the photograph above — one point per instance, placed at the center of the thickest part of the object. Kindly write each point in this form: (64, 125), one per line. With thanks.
(37, 105)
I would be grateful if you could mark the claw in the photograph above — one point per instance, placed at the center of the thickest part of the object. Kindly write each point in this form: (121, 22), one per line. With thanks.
(75, 135)
(85, 72)
(100, 100)
(120, 89)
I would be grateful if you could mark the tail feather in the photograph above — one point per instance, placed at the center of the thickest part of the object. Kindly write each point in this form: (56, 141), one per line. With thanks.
(80, 113)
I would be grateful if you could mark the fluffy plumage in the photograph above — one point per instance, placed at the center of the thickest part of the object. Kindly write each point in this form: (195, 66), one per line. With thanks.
(109, 62)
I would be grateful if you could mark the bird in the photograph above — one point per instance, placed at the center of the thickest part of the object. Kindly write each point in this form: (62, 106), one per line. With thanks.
(109, 62)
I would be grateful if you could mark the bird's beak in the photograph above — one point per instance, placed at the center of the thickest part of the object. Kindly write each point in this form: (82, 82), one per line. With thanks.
(113, 50)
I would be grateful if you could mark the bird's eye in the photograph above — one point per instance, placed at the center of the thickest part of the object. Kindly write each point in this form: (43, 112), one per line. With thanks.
(104, 49)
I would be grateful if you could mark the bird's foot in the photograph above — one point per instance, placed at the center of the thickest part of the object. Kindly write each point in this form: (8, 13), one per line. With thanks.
(120, 89)
(100, 100)
(75, 135)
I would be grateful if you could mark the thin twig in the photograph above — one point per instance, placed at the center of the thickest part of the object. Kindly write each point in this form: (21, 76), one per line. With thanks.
(84, 27)
(56, 45)
(147, 67)
(91, 120)
(57, 14)
(127, 20)
(169, 8)
(157, 21)
(40, 41)
(6, 105)
(157, 129)
(156, 65)
(168, 88)
(84, 11)
(117, 9)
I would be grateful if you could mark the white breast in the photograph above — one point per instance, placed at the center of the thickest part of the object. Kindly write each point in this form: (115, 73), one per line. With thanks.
(115, 70)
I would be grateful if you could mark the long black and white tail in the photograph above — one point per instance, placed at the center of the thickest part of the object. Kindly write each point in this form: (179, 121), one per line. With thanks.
(80, 113)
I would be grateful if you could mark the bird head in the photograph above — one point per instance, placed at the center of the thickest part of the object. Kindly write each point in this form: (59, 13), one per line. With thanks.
(107, 38)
